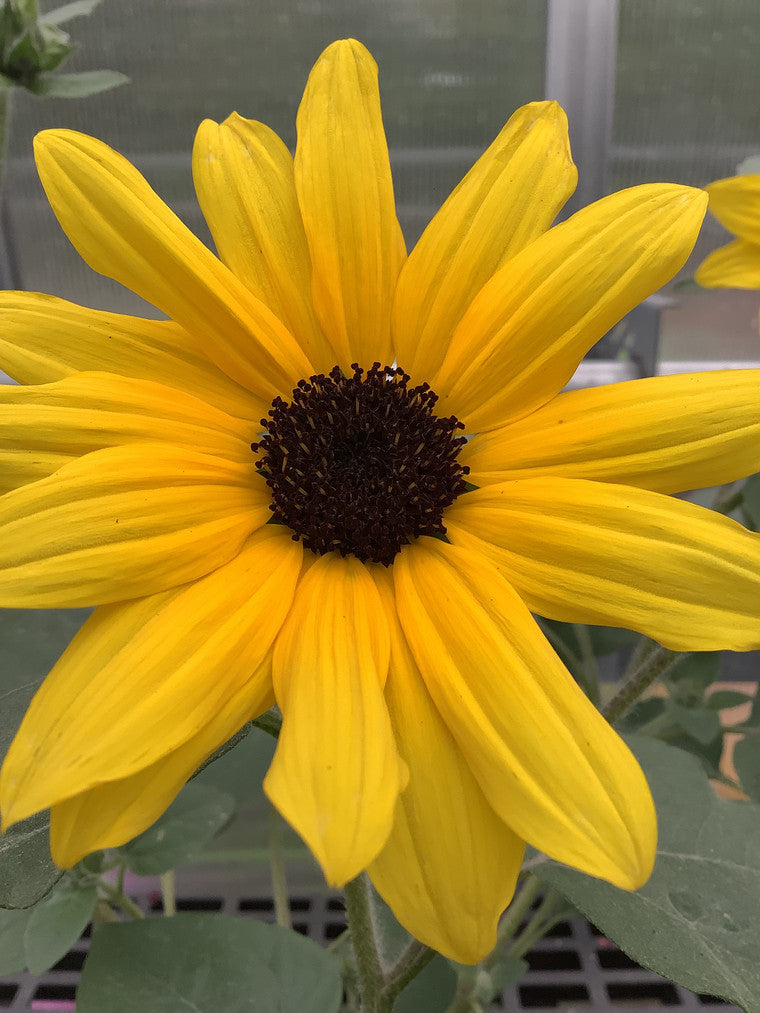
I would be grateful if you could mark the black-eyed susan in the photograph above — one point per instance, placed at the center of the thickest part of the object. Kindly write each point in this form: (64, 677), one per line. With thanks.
(351, 557)
(735, 202)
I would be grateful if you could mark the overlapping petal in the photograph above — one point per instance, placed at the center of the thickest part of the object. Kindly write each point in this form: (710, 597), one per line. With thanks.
(736, 265)
(735, 202)
(450, 865)
(525, 332)
(244, 180)
(336, 773)
(114, 812)
(143, 678)
(509, 197)
(545, 758)
(124, 522)
(345, 190)
(122, 229)
(43, 338)
(593, 552)
(43, 427)
(666, 433)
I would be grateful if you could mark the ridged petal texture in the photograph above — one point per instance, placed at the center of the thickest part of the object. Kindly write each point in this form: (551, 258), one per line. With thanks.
(593, 552)
(450, 865)
(544, 757)
(336, 773)
(345, 190)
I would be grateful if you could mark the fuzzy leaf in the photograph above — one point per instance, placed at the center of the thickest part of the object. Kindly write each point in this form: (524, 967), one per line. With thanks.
(697, 920)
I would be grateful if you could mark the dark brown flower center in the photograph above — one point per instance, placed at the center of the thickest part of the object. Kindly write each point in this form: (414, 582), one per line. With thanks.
(360, 464)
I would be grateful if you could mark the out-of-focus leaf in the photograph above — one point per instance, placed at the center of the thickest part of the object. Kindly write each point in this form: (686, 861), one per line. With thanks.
(195, 816)
(723, 698)
(88, 82)
(77, 9)
(751, 493)
(747, 765)
(207, 964)
(12, 928)
(642, 713)
(690, 676)
(432, 989)
(56, 924)
(697, 920)
(701, 724)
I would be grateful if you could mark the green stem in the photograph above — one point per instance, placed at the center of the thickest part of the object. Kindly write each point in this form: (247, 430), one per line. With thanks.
(168, 893)
(414, 959)
(538, 925)
(589, 664)
(655, 663)
(515, 915)
(120, 900)
(277, 870)
(366, 948)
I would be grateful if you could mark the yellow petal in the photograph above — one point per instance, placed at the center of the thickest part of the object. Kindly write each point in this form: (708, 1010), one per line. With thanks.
(343, 179)
(666, 433)
(244, 180)
(591, 552)
(145, 677)
(545, 758)
(124, 522)
(525, 332)
(450, 865)
(122, 229)
(336, 773)
(43, 338)
(736, 265)
(509, 197)
(735, 202)
(114, 812)
(44, 427)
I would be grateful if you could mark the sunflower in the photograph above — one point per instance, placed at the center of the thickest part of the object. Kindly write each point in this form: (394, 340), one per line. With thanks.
(735, 202)
(341, 479)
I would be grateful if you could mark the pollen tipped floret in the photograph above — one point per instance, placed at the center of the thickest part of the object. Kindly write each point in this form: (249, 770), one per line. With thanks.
(360, 464)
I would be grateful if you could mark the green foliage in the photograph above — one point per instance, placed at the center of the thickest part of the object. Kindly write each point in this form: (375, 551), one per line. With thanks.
(56, 924)
(12, 928)
(697, 920)
(433, 989)
(747, 764)
(32, 45)
(206, 963)
(196, 815)
(750, 508)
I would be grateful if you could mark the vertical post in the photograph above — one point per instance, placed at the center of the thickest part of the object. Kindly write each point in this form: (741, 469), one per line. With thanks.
(581, 60)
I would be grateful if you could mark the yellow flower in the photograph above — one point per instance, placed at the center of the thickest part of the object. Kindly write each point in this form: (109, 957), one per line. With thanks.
(429, 729)
(735, 202)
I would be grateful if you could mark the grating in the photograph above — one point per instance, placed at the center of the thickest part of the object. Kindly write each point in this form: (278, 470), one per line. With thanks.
(574, 967)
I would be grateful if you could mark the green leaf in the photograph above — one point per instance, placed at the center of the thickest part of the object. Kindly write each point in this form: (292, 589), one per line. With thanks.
(77, 9)
(747, 764)
(689, 678)
(697, 920)
(12, 928)
(194, 817)
(206, 963)
(701, 724)
(56, 924)
(89, 82)
(751, 493)
(27, 871)
(432, 989)
(723, 698)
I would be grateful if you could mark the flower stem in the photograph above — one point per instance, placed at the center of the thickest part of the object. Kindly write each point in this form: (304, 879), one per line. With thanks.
(277, 870)
(120, 900)
(364, 939)
(414, 959)
(168, 893)
(640, 676)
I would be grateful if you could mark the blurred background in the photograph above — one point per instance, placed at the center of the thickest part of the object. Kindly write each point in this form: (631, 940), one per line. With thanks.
(655, 91)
